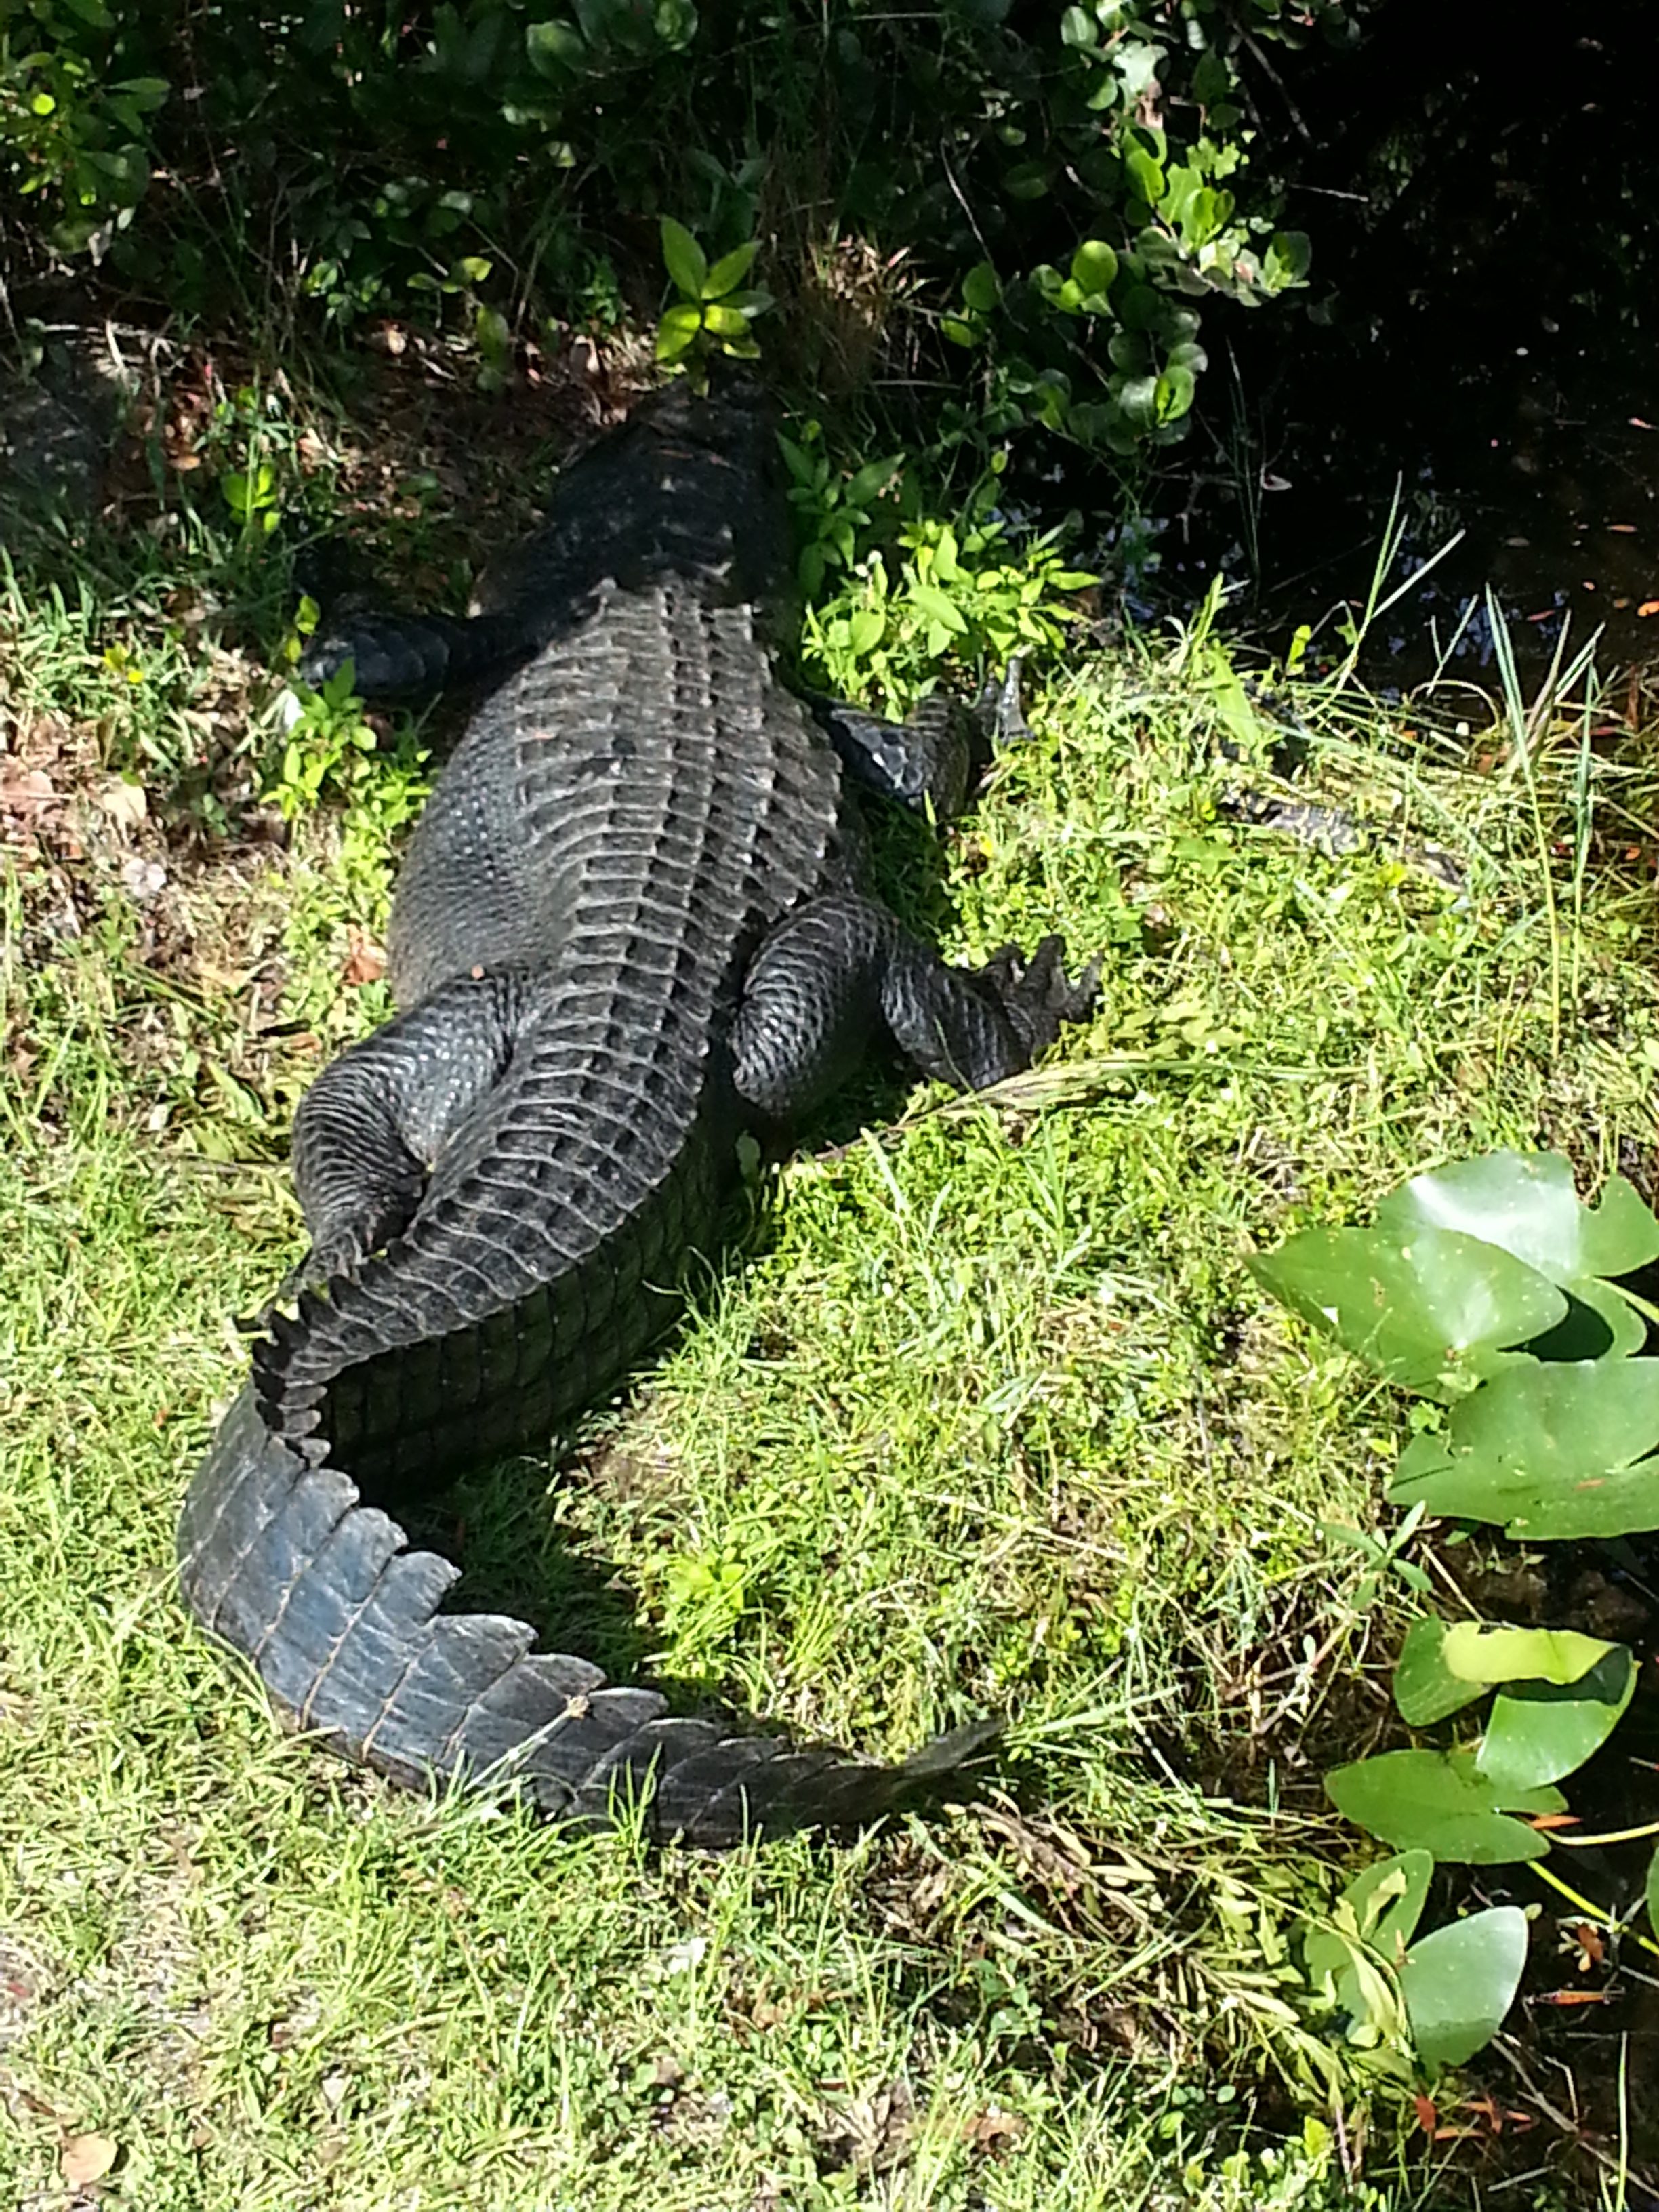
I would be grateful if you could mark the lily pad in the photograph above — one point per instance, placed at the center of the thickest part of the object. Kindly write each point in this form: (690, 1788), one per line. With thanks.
(1460, 1983)
(1426, 1689)
(1431, 1310)
(1476, 1653)
(1440, 1801)
(1525, 1204)
(1539, 1731)
(1550, 1451)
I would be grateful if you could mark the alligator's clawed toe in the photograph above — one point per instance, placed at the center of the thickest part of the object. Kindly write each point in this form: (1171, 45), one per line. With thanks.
(1037, 994)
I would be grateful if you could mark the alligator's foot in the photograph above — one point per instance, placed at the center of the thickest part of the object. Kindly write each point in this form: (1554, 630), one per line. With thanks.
(1036, 995)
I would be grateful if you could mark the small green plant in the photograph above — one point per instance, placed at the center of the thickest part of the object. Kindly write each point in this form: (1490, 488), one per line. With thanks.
(954, 591)
(713, 312)
(1491, 1291)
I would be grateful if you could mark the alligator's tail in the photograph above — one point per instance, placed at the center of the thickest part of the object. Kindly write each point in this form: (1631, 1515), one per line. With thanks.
(281, 1560)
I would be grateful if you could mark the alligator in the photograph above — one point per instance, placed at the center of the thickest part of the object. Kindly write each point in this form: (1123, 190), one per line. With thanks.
(629, 929)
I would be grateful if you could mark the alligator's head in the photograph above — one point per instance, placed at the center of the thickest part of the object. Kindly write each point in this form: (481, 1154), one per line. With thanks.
(690, 485)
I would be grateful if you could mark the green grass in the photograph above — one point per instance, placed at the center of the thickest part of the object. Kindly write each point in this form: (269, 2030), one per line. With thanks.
(991, 1415)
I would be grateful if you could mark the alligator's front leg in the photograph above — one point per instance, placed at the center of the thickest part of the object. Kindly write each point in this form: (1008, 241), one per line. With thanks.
(841, 968)
(371, 1129)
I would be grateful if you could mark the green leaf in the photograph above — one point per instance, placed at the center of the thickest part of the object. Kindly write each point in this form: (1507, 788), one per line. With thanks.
(1460, 1983)
(1431, 1310)
(1551, 1451)
(980, 287)
(1539, 1731)
(1029, 181)
(676, 330)
(1374, 1918)
(1077, 28)
(685, 260)
(473, 267)
(1174, 393)
(554, 49)
(958, 332)
(1211, 80)
(724, 322)
(1424, 1688)
(1380, 1908)
(929, 600)
(1146, 175)
(1440, 1801)
(1287, 260)
(1094, 265)
(729, 271)
(1525, 1202)
(1653, 1893)
(865, 628)
(1479, 1654)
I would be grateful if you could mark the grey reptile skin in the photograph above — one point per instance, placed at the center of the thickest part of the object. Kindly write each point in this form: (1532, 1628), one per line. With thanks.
(628, 929)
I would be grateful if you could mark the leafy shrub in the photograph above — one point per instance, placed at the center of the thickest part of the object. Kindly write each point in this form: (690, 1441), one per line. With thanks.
(1073, 183)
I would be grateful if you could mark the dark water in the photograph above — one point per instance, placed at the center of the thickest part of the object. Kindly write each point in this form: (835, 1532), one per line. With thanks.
(1480, 331)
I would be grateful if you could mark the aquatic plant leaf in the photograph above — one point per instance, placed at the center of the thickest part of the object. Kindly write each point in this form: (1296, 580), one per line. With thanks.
(1440, 1801)
(1549, 1450)
(1525, 1203)
(1432, 1309)
(1460, 1982)
(1426, 1689)
(1539, 1731)
(1475, 1652)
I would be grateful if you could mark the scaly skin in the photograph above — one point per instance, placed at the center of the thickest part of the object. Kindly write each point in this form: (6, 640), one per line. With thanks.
(628, 930)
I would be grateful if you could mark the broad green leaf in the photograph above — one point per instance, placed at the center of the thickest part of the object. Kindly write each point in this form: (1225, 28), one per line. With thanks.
(1440, 1801)
(724, 322)
(958, 332)
(676, 330)
(1549, 1450)
(931, 602)
(554, 49)
(866, 629)
(472, 267)
(980, 287)
(1288, 257)
(1476, 1653)
(685, 260)
(1174, 395)
(1146, 175)
(1525, 1202)
(1029, 181)
(1653, 1893)
(1432, 1310)
(1424, 1688)
(729, 271)
(1539, 1731)
(1093, 267)
(1460, 1983)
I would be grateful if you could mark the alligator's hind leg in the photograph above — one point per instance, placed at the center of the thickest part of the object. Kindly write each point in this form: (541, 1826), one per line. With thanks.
(371, 1127)
(841, 968)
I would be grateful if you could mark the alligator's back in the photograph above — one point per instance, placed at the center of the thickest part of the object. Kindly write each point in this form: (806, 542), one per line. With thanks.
(624, 926)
